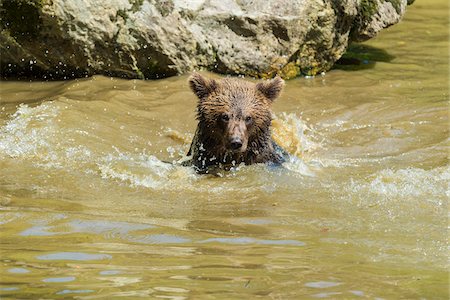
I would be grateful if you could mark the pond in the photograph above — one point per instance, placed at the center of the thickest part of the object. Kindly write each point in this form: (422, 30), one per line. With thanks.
(90, 208)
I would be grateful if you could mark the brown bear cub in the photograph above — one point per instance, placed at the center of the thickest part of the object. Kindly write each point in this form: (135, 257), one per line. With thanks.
(234, 119)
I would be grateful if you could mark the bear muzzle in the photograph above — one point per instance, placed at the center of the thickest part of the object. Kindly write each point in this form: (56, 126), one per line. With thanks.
(235, 144)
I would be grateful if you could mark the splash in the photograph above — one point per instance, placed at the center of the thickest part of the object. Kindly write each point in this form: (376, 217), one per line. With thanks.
(35, 133)
(142, 170)
(293, 135)
(50, 136)
(26, 134)
(297, 165)
(411, 183)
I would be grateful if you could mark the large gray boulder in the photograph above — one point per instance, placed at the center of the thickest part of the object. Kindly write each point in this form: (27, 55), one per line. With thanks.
(159, 38)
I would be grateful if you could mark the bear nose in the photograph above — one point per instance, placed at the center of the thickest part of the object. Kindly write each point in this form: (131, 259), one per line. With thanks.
(236, 143)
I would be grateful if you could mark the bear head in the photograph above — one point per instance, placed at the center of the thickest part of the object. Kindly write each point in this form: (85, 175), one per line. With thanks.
(234, 113)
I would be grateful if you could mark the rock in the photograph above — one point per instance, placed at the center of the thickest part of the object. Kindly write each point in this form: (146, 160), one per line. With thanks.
(160, 38)
(375, 15)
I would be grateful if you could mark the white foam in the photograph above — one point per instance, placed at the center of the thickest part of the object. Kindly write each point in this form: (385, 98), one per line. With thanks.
(35, 133)
(297, 165)
(27, 132)
(427, 185)
(144, 171)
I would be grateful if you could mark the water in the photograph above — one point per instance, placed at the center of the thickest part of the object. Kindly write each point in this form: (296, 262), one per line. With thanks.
(90, 208)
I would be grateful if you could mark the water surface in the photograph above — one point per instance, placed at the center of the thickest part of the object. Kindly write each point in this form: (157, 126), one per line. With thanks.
(90, 208)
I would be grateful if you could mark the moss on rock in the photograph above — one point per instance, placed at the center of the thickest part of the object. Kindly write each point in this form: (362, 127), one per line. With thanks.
(367, 9)
(290, 70)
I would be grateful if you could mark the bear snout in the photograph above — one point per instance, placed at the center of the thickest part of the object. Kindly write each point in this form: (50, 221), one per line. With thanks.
(235, 143)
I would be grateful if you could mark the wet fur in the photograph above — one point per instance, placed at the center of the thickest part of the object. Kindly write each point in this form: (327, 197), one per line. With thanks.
(248, 107)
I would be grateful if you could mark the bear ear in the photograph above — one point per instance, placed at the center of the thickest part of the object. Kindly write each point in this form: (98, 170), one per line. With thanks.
(271, 88)
(202, 86)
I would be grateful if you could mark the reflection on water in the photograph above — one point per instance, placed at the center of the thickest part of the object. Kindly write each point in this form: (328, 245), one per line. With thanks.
(94, 205)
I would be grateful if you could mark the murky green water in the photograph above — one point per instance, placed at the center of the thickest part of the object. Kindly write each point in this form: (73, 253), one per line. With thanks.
(89, 210)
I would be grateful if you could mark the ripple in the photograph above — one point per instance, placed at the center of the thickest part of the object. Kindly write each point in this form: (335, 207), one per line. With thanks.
(170, 289)
(257, 221)
(8, 217)
(357, 293)
(160, 239)
(64, 292)
(106, 226)
(87, 226)
(38, 231)
(59, 279)
(110, 272)
(322, 284)
(9, 289)
(326, 295)
(247, 241)
(73, 256)
(18, 270)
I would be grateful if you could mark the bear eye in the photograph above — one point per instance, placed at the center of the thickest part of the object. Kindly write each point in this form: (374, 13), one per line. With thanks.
(248, 119)
(225, 118)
